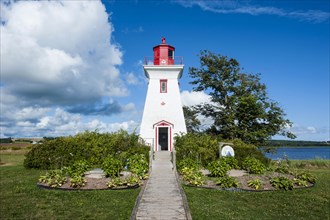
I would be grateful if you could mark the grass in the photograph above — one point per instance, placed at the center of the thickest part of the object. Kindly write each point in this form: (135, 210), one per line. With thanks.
(308, 203)
(22, 199)
(311, 164)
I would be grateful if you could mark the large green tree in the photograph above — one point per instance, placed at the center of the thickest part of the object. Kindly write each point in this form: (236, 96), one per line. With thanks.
(240, 105)
(192, 122)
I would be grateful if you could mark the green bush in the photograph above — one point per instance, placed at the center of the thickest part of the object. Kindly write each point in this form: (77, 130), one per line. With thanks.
(227, 182)
(138, 164)
(77, 181)
(243, 150)
(218, 168)
(115, 182)
(300, 182)
(253, 165)
(187, 162)
(282, 182)
(54, 178)
(92, 146)
(78, 168)
(201, 148)
(192, 176)
(204, 148)
(112, 166)
(305, 177)
(231, 161)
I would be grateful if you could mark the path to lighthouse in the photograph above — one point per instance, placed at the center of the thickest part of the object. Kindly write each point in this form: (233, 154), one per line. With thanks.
(161, 198)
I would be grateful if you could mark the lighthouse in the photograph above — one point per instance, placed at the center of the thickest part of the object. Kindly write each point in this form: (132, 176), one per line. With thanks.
(163, 115)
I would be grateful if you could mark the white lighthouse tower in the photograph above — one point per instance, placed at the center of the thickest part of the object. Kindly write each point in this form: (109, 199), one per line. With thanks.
(163, 115)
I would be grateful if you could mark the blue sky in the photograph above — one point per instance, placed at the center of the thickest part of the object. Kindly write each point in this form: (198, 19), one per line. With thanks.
(77, 65)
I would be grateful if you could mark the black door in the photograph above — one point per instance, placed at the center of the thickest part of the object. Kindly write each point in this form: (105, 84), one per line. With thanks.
(163, 138)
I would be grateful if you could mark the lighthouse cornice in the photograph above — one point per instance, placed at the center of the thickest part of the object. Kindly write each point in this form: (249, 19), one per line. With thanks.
(168, 68)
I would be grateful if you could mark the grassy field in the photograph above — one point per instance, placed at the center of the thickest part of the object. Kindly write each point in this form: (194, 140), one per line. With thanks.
(308, 203)
(22, 199)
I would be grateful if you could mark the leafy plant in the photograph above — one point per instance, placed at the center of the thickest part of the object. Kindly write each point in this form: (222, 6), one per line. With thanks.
(132, 180)
(282, 182)
(187, 163)
(53, 178)
(231, 161)
(253, 165)
(78, 168)
(193, 177)
(306, 177)
(112, 166)
(218, 168)
(90, 146)
(256, 184)
(227, 182)
(300, 182)
(138, 164)
(115, 182)
(77, 181)
(201, 148)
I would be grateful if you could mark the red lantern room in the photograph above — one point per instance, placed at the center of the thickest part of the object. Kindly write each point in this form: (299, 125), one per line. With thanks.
(163, 54)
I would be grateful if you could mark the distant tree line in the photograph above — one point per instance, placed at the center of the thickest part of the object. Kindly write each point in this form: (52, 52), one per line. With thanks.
(284, 143)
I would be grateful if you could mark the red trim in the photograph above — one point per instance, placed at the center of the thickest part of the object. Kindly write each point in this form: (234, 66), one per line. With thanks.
(170, 138)
(163, 123)
(160, 87)
(156, 142)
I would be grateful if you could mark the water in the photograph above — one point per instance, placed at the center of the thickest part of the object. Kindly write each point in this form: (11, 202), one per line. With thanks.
(300, 153)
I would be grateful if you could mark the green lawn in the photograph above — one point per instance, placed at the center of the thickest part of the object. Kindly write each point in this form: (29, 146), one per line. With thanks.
(22, 199)
(309, 203)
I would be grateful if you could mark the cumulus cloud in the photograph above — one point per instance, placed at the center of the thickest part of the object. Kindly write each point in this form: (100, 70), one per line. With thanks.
(57, 55)
(194, 98)
(255, 8)
(59, 52)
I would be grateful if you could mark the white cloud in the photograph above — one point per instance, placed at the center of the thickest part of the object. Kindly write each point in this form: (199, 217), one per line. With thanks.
(59, 52)
(131, 79)
(255, 8)
(194, 98)
(59, 63)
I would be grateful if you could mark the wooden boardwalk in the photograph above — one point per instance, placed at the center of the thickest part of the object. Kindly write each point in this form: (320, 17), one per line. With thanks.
(161, 198)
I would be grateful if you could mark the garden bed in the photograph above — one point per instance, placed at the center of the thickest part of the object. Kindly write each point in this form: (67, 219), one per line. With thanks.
(243, 179)
(91, 184)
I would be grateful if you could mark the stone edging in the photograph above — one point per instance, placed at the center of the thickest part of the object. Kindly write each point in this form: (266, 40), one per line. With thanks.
(138, 199)
(183, 195)
(245, 190)
(42, 186)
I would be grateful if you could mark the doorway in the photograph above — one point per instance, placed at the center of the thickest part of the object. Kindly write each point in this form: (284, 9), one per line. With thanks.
(163, 138)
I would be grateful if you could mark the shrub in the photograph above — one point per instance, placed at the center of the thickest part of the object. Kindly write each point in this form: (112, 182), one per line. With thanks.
(282, 182)
(77, 181)
(305, 177)
(193, 177)
(218, 168)
(90, 146)
(231, 162)
(112, 166)
(201, 148)
(188, 163)
(78, 168)
(115, 182)
(132, 180)
(138, 164)
(256, 184)
(253, 165)
(243, 150)
(227, 182)
(300, 182)
(53, 178)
